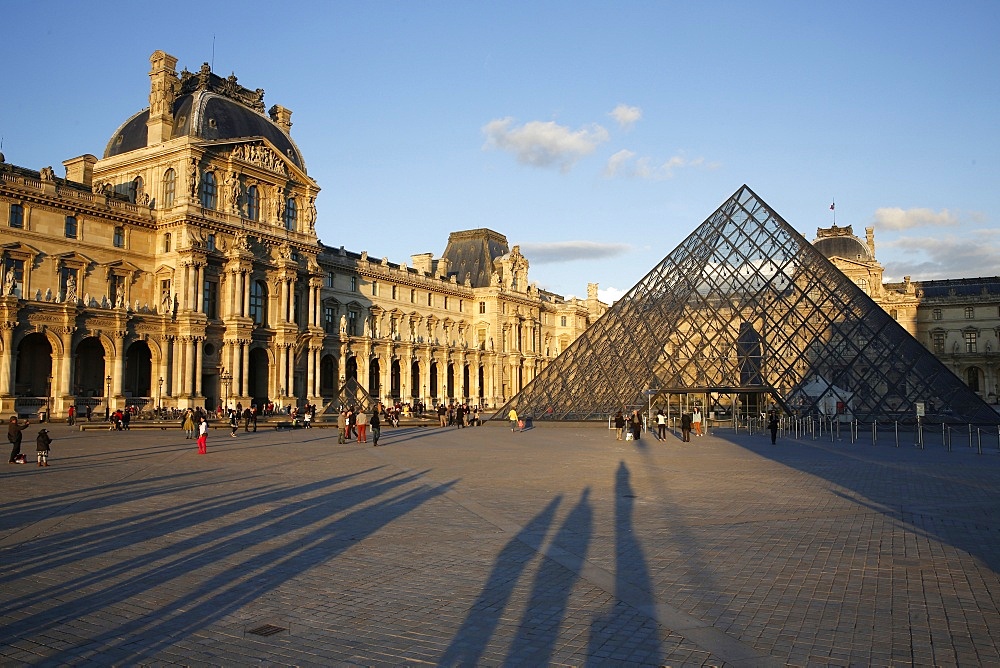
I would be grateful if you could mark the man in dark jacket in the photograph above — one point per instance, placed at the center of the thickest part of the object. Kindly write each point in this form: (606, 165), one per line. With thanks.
(686, 427)
(14, 436)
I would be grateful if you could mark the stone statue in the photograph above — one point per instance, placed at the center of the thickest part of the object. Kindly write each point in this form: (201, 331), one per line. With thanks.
(71, 290)
(233, 184)
(120, 301)
(8, 283)
(343, 324)
(193, 177)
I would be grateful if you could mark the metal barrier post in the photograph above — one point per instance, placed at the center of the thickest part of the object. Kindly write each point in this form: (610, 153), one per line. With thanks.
(979, 438)
(895, 425)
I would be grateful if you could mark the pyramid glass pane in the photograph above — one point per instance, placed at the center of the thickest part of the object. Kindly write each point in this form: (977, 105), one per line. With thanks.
(746, 304)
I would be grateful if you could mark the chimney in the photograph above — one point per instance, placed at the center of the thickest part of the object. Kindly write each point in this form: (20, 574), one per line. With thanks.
(81, 170)
(163, 84)
(281, 116)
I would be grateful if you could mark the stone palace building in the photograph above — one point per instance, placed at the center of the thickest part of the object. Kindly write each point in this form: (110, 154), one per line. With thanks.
(183, 268)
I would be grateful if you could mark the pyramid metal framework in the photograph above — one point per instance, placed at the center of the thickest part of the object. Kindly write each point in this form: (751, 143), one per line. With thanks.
(746, 306)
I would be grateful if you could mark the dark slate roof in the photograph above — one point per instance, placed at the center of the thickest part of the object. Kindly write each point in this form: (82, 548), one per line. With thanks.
(206, 114)
(846, 247)
(959, 287)
(471, 253)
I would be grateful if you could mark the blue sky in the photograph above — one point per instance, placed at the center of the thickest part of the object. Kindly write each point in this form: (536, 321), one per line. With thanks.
(597, 135)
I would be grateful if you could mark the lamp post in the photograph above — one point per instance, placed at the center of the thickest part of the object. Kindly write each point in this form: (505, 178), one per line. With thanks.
(48, 401)
(226, 380)
(159, 397)
(107, 400)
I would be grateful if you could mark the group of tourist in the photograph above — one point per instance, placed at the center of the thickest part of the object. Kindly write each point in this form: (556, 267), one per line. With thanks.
(631, 425)
(353, 423)
(458, 415)
(43, 442)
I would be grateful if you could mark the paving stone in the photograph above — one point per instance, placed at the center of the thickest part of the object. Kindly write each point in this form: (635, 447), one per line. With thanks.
(470, 547)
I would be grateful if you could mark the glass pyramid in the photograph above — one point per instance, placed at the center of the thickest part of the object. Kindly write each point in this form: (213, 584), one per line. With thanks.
(746, 307)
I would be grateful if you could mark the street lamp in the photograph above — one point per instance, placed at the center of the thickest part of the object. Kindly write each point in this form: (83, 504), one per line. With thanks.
(159, 396)
(226, 380)
(107, 400)
(48, 398)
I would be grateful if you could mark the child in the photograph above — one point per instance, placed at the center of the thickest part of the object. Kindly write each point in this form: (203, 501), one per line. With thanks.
(42, 443)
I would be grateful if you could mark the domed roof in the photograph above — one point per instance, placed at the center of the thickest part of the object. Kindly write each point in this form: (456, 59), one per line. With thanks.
(214, 109)
(846, 247)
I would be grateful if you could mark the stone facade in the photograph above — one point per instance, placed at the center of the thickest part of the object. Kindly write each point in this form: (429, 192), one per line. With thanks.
(956, 319)
(183, 268)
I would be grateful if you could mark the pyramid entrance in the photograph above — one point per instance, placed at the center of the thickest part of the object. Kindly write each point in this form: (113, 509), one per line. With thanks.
(746, 307)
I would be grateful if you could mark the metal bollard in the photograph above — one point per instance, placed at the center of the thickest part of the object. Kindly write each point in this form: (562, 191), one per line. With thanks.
(896, 427)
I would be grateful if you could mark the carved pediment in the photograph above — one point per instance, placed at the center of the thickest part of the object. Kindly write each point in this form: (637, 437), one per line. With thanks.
(261, 155)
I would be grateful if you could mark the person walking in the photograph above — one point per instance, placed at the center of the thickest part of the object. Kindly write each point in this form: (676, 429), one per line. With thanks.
(696, 421)
(661, 425)
(307, 417)
(619, 425)
(202, 436)
(512, 416)
(352, 422)
(188, 424)
(14, 435)
(772, 424)
(234, 422)
(42, 443)
(376, 424)
(71, 415)
(636, 425)
(362, 426)
(686, 427)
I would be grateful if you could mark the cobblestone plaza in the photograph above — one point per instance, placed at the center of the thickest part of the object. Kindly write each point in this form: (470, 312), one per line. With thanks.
(558, 545)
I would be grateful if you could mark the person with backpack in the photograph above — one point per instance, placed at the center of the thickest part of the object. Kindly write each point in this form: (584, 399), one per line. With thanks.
(42, 443)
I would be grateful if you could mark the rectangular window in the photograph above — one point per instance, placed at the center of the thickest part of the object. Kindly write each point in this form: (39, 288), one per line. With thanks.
(16, 215)
(210, 303)
(354, 283)
(394, 292)
(461, 305)
(970, 342)
(166, 242)
(895, 314)
(430, 299)
(330, 278)
(413, 296)
(329, 321)
(936, 314)
(482, 307)
(937, 339)
(970, 313)
(165, 299)
(71, 227)
(446, 302)
(119, 239)
(374, 288)
(352, 323)
(562, 321)
(210, 242)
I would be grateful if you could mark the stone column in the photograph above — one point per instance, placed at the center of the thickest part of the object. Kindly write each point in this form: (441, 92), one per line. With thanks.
(245, 369)
(198, 362)
(6, 367)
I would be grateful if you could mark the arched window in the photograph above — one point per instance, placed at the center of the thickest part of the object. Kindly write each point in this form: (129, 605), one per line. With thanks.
(207, 194)
(291, 214)
(253, 203)
(135, 190)
(863, 284)
(258, 302)
(169, 188)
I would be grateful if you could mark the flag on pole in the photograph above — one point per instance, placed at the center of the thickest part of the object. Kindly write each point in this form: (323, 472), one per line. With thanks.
(832, 204)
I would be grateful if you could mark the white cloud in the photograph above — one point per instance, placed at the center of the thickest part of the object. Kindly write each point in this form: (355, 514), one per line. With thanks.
(543, 144)
(625, 115)
(969, 255)
(610, 295)
(568, 251)
(894, 218)
(618, 162)
(624, 163)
